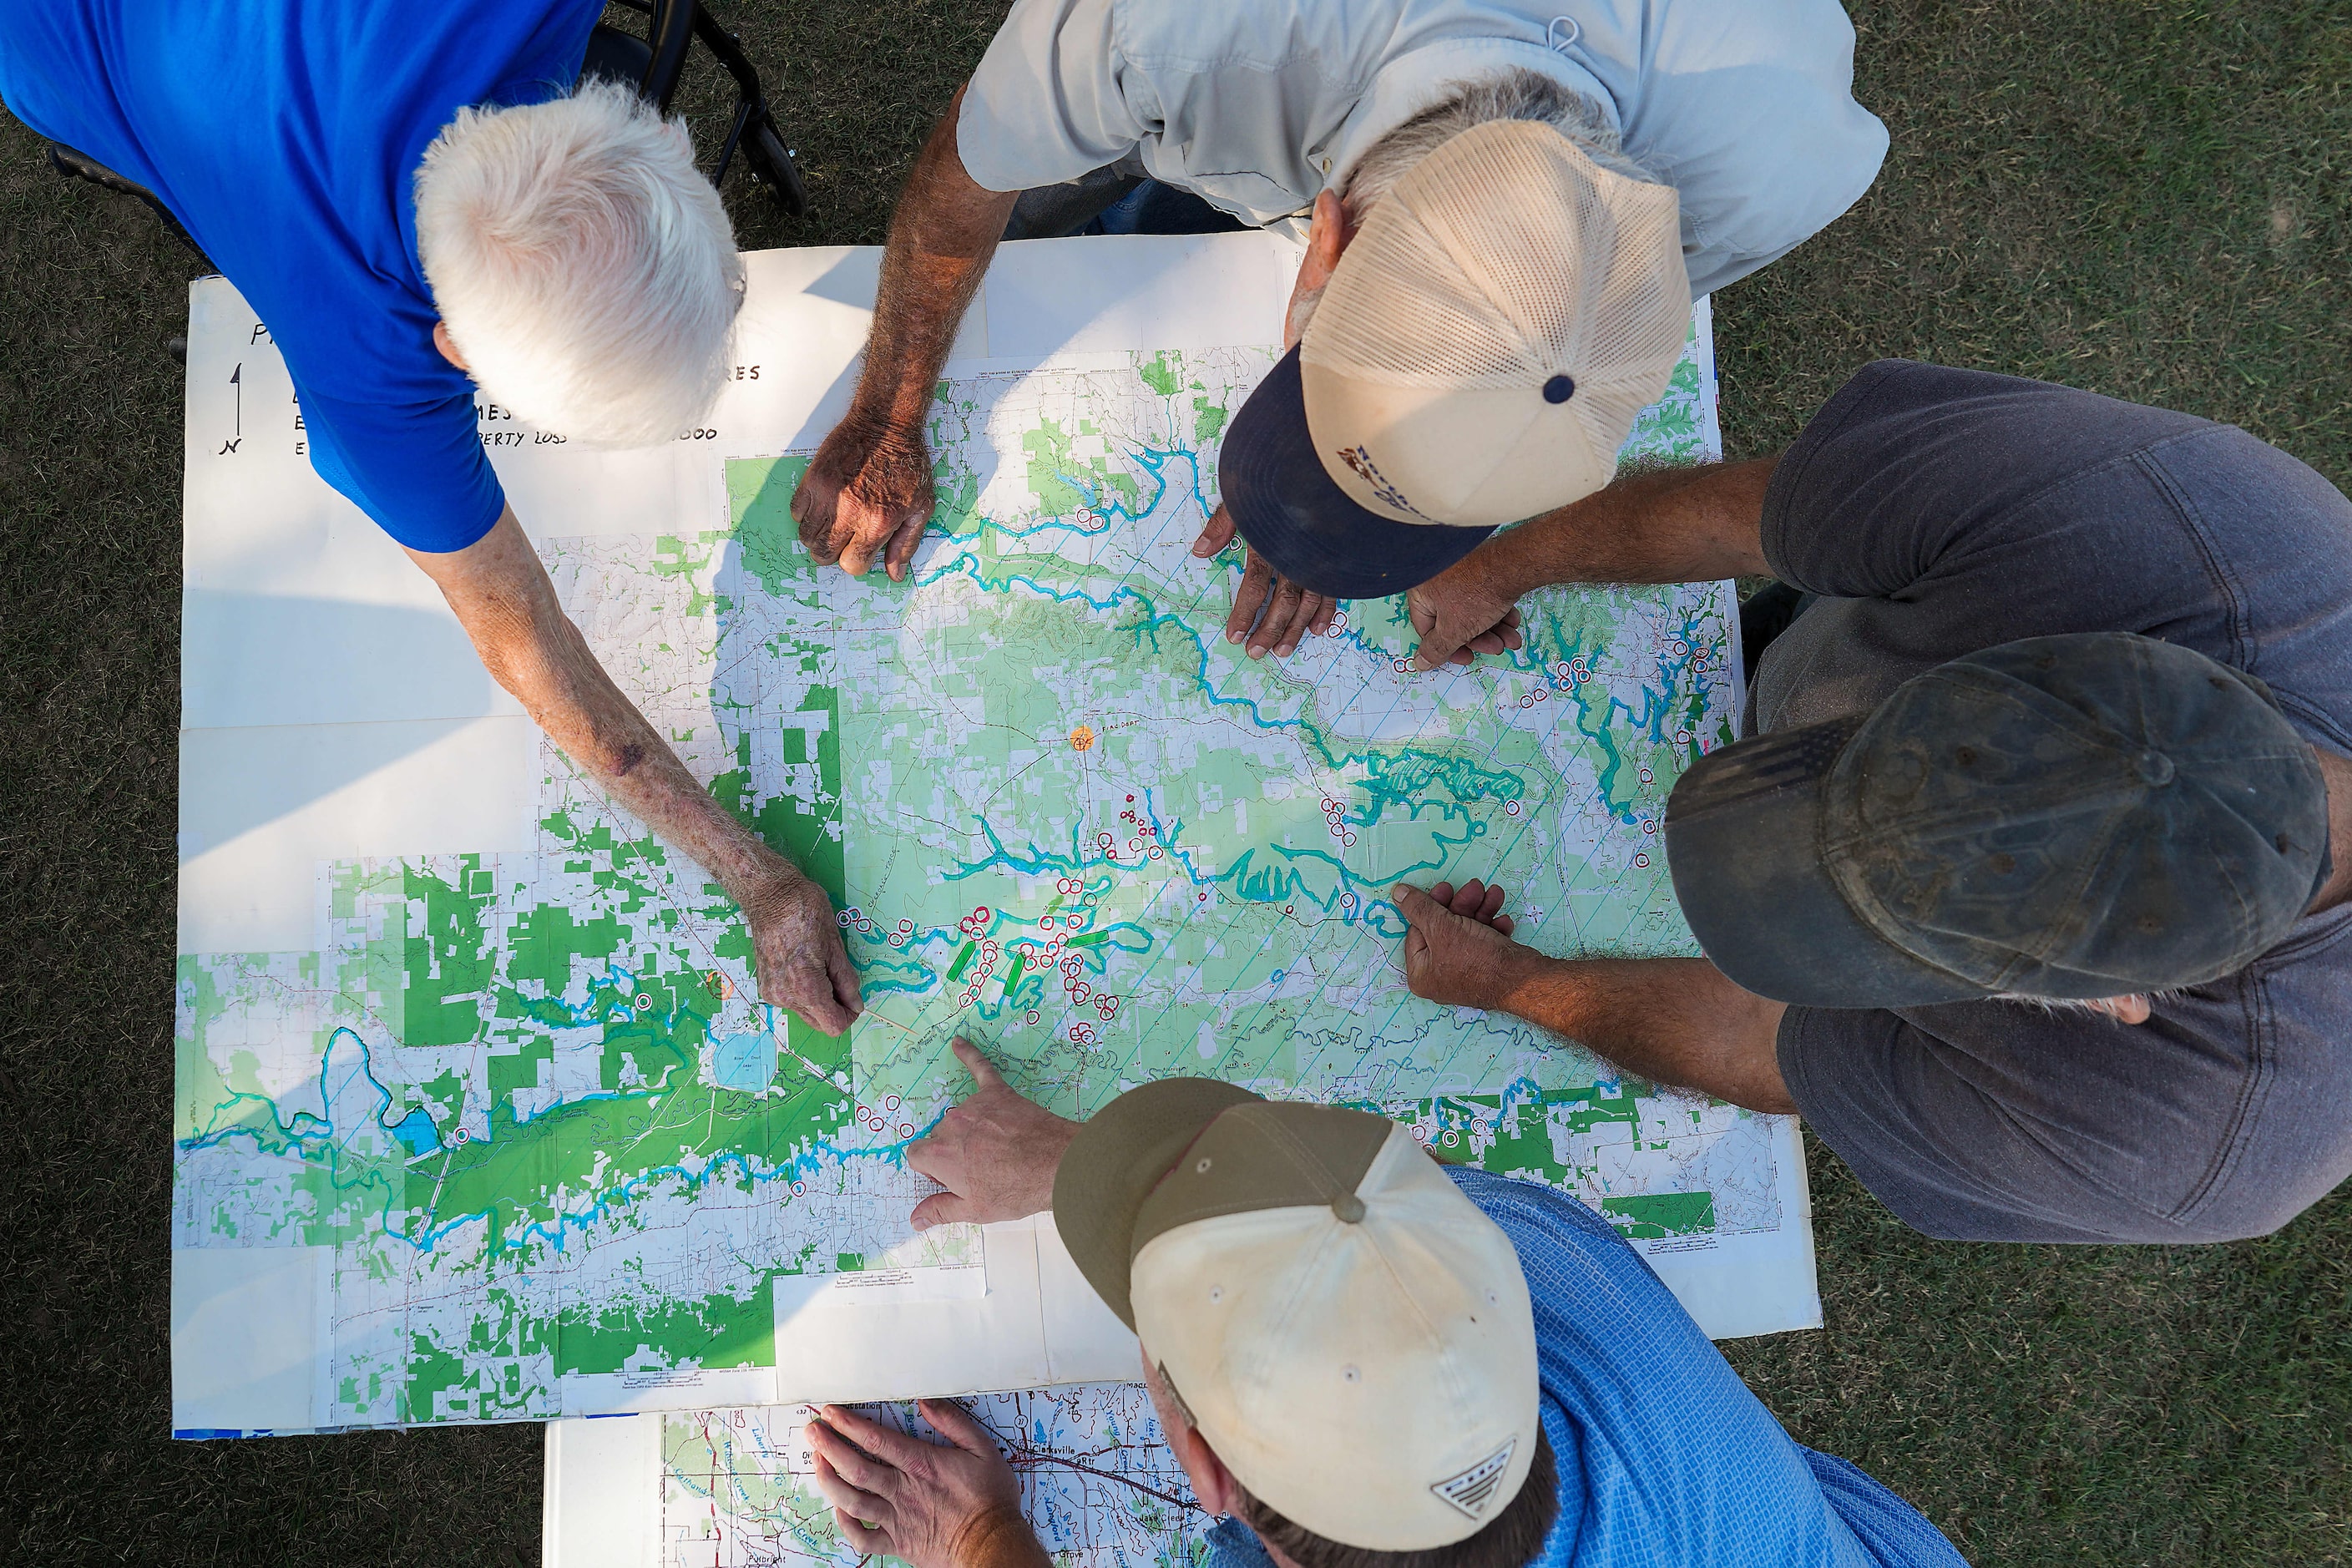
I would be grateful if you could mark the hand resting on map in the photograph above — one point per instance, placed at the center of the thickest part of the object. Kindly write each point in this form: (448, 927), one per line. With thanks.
(1290, 611)
(996, 1153)
(955, 1504)
(1678, 1021)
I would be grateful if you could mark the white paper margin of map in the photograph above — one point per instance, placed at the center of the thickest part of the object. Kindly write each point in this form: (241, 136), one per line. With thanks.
(600, 1507)
(249, 1339)
(1039, 1323)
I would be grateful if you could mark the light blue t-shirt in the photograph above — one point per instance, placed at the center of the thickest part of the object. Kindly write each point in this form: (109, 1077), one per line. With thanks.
(285, 136)
(1665, 1460)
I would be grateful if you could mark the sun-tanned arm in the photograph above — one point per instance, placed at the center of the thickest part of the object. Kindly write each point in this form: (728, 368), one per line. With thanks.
(868, 492)
(501, 595)
(1662, 525)
(1672, 1020)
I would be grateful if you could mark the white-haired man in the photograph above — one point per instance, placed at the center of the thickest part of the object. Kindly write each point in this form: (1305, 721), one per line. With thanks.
(1363, 1359)
(1737, 117)
(402, 192)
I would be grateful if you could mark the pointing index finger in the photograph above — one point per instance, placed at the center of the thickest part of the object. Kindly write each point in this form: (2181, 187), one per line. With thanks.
(975, 1062)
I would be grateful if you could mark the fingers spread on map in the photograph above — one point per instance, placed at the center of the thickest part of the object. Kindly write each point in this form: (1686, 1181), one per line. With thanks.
(1460, 614)
(867, 493)
(1274, 613)
(802, 965)
(995, 1153)
(926, 1503)
(1458, 953)
(1474, 900)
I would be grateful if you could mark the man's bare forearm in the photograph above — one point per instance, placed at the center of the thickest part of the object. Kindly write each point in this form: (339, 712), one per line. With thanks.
(942, 236)
(501, 595)
(1663, 525)
(1673, 1020)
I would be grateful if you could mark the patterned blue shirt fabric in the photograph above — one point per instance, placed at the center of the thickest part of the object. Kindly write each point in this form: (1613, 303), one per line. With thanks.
(285, 137)
(1665, 1460)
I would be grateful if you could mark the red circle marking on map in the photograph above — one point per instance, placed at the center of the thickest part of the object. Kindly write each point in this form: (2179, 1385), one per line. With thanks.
(1348, 839)
(1032, 1016)
(462, 1135)
(1641, 861)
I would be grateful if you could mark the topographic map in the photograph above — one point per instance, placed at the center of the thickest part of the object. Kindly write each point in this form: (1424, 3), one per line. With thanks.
(1097, 1482)
(552, 1151)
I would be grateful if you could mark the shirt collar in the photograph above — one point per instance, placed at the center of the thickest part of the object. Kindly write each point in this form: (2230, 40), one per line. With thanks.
(1420, 78)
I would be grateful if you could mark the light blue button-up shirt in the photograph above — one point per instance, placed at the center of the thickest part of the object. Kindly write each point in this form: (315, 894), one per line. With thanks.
(1746, 107)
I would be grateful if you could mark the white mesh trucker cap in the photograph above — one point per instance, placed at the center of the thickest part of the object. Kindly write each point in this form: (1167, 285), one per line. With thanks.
(1479, 357)
(1351, 1335)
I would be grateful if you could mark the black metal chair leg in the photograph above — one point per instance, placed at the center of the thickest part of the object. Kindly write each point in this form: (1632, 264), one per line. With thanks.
(755, 125)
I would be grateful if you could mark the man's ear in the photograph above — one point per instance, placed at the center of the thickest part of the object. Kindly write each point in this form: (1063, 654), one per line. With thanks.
(2132, 1008)
(448, 347)
(1327, 234)
(1215, 1484)
(1212, 1482)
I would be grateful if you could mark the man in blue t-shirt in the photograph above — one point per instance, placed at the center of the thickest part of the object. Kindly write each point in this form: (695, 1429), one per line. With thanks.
(404, 193)
(1360, 1356)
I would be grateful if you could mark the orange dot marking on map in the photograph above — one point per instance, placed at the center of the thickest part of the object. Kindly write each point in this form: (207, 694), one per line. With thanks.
(1082, 739)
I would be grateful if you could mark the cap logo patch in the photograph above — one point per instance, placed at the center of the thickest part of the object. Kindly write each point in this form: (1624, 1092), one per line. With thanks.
(1474, 1489)
(1359, 459)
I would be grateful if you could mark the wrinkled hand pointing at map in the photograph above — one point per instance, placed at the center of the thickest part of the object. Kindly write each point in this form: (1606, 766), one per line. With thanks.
(995, 1153)
(796, 948)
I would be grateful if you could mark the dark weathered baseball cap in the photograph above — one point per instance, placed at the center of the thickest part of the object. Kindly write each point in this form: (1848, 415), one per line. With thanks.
(2071, 816)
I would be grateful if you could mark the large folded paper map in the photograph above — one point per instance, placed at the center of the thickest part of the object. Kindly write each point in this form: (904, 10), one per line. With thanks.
(543, 1151)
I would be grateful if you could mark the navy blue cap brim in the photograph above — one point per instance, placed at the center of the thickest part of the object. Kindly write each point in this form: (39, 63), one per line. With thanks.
(1305, 526)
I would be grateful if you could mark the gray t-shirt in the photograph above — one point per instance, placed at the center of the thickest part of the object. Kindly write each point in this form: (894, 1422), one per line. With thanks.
(1938, 512)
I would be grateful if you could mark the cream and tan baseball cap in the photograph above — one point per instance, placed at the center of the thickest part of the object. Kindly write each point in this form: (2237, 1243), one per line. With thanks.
(1351, 1334)
(1478, 357)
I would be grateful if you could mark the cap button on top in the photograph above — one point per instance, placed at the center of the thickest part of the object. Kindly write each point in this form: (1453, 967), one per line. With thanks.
(1348, 1207)
(2153, 767)
(1560, 389)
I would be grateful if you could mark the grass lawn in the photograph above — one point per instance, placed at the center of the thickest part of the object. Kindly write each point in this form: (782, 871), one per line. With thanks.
(2145, 197)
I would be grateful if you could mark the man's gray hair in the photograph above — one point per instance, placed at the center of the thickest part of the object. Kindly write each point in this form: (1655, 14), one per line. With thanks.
(1515, 94)
(584, 267)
